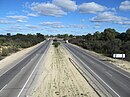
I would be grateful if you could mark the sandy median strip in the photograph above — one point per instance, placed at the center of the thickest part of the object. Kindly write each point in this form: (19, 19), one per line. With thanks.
(62, 79)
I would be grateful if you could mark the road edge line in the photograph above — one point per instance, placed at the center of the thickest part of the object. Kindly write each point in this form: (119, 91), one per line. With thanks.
(96, 75)
(31, 75)
(102, 62)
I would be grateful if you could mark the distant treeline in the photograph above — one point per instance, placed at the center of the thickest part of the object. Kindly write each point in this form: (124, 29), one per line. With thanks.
(108, 42)
(13, 43)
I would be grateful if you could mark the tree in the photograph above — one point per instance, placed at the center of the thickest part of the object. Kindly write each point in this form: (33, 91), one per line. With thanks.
(111, 47)
(40, 36)
(3, 41)
(107, 42)
(122, 36)
(109, 34)
(89, 36)
(97, 35)
(126, 49)
(71, 36)
(128, 34)
(8, 34)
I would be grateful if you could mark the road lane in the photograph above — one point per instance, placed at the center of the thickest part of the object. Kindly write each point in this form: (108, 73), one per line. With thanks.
(119, 83)
(24, 69)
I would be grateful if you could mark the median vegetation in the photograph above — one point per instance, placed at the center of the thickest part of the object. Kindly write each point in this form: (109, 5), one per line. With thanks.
(13, 43)
(55, 43)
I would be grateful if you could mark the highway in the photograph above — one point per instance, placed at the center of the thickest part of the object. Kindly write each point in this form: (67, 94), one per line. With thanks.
(113, 81)
(16, 79)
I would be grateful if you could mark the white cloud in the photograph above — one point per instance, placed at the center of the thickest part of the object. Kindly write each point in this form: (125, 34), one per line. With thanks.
(60, 25)
(81, 26)
(109, 17)
(4, 21)
(69, 5)
(125, 5)
(21, 21)
(32, 15)
(124, 22)
(50, 23)
(113, 9)
(47, 9)
(53, 24)
(97, 26)
(33, 27)
(20, 28)
(126, 26)
(91, 7)
(14, 29)
(20, 17)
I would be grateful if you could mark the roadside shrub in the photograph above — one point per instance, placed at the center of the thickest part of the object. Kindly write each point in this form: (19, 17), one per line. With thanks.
(56, 44)
(4, 52)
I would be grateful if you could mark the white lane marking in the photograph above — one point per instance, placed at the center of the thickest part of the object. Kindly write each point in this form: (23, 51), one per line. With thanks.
(30, 75)
(105, 64)
(18, 62)
(108, 73)
(3, 88)
(97, 76)
(29, 78)
(110, 67)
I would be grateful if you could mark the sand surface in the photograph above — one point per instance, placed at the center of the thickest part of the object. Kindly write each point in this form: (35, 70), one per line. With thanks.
(61, 78)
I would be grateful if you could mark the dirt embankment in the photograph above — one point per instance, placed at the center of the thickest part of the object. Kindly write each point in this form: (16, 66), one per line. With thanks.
(61, 79)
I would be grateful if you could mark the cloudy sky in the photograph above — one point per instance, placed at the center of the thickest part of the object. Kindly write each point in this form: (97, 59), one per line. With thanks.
(63, 16)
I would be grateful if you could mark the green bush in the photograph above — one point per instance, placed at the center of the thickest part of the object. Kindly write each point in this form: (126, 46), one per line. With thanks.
(56, 44)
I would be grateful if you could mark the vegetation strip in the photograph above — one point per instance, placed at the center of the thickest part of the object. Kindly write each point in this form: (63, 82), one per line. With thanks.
(13, 43)
(108, 42)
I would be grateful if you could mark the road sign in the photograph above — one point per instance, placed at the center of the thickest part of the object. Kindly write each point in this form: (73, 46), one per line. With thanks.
(118, 55)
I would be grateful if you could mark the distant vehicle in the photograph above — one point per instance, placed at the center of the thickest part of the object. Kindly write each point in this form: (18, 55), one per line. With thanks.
(66, 41)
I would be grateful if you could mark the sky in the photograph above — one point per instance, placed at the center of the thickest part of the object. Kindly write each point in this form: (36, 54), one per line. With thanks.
(51, 17)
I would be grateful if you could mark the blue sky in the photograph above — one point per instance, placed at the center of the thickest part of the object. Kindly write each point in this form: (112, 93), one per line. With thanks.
(76, 17)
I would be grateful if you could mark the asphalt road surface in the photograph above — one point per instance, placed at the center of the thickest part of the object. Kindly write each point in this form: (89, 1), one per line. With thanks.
(14, 81)
(114, 80)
